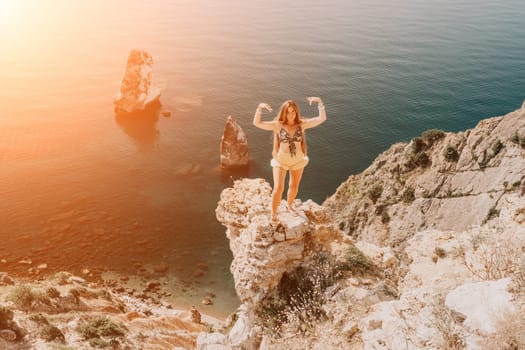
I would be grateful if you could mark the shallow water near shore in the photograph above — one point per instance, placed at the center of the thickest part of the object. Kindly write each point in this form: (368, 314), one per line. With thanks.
(81, 189)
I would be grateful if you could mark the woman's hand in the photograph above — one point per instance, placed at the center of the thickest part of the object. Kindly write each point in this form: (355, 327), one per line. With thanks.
(264, 105)
(313, 122)
(314, 99)
(269, 125)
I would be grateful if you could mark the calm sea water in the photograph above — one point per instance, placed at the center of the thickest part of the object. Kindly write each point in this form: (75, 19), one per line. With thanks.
(81, 189)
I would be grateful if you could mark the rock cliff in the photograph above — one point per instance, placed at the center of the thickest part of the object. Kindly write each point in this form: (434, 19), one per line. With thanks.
(423, 250)
(447, 181)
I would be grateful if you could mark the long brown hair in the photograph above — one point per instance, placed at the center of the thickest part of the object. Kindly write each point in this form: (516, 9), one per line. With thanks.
(281, 118)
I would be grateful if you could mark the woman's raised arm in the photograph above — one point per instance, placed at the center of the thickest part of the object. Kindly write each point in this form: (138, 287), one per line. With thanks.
(313, 122)
(257, 118)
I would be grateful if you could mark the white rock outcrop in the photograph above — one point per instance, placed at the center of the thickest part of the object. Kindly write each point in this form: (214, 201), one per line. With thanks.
(263, 252)
(482, 303)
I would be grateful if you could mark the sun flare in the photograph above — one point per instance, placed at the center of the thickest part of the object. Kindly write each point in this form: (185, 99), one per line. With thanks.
(10, 12)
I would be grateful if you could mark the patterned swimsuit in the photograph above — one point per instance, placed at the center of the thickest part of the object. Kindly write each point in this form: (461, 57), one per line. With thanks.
(286, 138)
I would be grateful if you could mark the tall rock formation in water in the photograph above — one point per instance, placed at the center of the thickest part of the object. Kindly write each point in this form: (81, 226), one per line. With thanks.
(136, 92)
(234, 146)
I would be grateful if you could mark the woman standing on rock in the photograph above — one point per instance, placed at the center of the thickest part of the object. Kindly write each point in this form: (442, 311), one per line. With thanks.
(289, 148)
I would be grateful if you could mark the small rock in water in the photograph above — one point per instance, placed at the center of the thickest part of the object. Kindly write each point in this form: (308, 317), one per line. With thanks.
(3, 261)
(166, 113)
(207, 301)
(85, 271)
(42, 267)
(152, 285)
(26, 262)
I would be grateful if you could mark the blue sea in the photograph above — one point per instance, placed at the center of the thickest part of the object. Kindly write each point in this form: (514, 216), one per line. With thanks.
(81, 189)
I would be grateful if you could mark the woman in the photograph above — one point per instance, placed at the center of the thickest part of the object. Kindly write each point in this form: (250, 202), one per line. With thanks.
(289, 148)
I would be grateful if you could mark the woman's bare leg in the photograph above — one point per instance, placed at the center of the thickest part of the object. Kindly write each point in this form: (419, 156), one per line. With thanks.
(278, 186)
(293, 187)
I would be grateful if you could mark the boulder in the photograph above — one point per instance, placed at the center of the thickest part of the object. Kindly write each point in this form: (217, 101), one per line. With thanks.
(136, 92)
(481, 303)
(211, 341)
(234, 145)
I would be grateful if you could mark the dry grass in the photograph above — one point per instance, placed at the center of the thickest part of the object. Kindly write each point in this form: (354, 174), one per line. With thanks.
(509, 335)
(495, 257)
(296, 306)
(357, 262)
(27, 298)
(451, 337)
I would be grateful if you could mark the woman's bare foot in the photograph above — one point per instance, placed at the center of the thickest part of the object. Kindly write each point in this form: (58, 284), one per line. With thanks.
(274, 219)
(292, 210)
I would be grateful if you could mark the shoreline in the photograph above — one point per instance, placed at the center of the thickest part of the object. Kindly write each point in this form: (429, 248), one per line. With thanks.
(157, 289)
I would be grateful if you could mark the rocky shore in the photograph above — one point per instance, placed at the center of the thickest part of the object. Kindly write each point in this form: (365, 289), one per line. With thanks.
(64, 311)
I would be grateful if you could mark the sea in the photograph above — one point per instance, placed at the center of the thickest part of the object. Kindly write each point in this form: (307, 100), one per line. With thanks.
(84, 191)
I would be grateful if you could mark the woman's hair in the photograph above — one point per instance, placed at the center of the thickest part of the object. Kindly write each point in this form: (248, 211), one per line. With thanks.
(281, 117)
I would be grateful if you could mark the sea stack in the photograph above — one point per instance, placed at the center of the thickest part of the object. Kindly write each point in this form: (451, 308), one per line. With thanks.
(234, 145)
(136, 93)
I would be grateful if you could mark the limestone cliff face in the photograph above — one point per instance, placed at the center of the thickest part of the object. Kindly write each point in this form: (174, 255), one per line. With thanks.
(417, 252)
(445, 181)
(263, 252)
